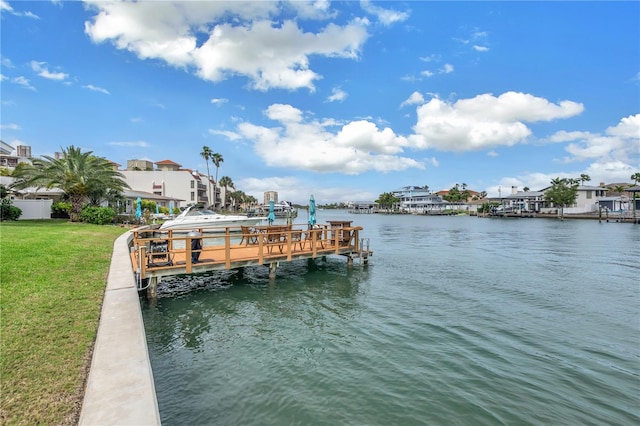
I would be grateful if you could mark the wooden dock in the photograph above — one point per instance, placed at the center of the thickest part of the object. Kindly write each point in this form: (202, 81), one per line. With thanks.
(159, 253)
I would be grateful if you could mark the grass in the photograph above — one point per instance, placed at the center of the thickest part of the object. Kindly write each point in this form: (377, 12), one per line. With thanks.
(52, 280)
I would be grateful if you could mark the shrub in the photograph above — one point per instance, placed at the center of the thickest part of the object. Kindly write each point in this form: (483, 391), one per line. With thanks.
(60, 207)
(60, 210)
(97, 215)
(8, 211)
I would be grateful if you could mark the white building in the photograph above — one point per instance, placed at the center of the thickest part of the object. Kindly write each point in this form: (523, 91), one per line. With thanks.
(171, 181)
(418, 199)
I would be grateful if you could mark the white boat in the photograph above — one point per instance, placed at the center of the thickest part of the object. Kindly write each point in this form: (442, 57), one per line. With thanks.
(194, 217)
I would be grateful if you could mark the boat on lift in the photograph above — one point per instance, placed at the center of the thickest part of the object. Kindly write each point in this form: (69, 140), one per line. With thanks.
(195, 217)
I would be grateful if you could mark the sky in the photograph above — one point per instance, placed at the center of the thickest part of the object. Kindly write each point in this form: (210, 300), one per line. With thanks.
(342, 100)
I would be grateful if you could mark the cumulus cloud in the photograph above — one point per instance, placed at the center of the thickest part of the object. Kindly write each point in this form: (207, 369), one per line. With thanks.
(619, 143)
(218, 40)
(306, 144)
(610, 157)
(415, 98)
(485, 121)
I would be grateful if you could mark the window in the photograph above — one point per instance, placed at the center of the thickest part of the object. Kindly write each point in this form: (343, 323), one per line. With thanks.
(193, 185)
(193, 196)
(589, 194)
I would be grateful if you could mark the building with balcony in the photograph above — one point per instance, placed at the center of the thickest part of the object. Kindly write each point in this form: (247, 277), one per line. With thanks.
(169, 180)
(417, 199)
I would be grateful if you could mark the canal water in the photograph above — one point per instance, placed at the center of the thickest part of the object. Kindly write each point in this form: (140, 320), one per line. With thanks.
(456, 321)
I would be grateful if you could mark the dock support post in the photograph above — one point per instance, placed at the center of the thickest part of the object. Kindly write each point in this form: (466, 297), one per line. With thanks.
(349, 261)
(272, 270)
(152, 291)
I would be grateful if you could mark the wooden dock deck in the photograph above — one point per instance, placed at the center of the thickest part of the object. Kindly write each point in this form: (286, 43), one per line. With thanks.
(158, 253)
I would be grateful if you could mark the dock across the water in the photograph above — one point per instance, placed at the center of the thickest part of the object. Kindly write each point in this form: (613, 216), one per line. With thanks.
(157, 253)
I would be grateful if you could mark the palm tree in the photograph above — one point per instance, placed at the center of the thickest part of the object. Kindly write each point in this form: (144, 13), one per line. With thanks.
(207, 154)
(216, 158)
(80, 175)
(636, 178)
(584, 178)
(226, 182)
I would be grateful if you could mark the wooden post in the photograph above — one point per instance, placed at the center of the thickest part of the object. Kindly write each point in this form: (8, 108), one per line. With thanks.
(152, 291)
(272, 270)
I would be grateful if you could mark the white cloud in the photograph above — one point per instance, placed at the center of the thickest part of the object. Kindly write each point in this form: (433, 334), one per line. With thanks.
(22, 81)
(321, 146)
(612, 157)
(96, 89)
(136, 120)
(446, 69)
(337, 95)
(415, 98)
(45, 73)
(252, 44)
(484, 121)
(6, 62)
(130, 144)
(480, 48)
(7, 8)
(620, 143)
(219, 101)
(298, 191)
(10, 126)
(227, 133)
(385, 16)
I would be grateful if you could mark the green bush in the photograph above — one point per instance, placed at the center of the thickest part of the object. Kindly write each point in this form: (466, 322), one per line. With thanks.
(60, 207)
(9, 212)
(97, 215)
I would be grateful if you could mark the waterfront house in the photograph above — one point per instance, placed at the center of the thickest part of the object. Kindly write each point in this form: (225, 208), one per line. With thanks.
(587, 200)
(417, 199)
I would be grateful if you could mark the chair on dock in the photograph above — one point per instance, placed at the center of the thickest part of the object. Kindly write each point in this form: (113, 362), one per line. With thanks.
(159, 254)
(249, 235)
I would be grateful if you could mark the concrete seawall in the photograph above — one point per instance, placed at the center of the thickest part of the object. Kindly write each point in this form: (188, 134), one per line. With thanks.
(120, 388)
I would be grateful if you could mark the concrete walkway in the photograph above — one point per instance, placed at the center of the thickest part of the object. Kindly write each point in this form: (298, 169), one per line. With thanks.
(120, 388)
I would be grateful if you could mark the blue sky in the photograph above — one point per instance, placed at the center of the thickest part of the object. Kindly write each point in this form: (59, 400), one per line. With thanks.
(343, 100)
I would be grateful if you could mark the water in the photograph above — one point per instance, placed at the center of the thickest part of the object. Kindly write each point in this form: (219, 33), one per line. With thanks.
(457, 320)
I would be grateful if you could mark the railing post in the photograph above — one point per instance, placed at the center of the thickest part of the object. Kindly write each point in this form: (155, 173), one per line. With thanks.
(227, 249)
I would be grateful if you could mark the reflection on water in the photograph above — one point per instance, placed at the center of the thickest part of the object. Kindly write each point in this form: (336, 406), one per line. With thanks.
(456, 321)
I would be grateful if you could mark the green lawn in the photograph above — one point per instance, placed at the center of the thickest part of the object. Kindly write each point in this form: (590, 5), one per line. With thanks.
(52, 280)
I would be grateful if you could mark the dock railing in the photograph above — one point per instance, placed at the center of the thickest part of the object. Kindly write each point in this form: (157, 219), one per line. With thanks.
(156, 252)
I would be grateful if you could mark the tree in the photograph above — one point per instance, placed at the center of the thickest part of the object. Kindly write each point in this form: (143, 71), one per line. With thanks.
(636, 178)
(584, 178)
(563, 193)
(455, 195)
(525, 189)
(207, 155)
(387, 200)
(226, 182)
(80, 175)
(217, 160)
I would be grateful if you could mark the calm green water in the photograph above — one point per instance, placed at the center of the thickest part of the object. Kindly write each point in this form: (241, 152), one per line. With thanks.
(457, 320)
